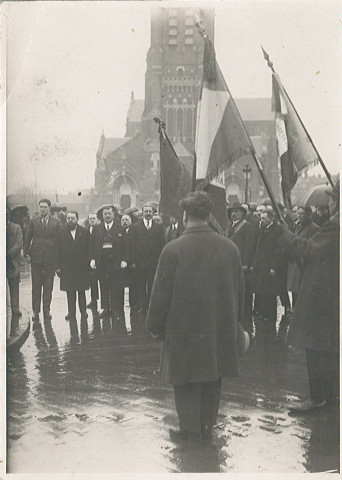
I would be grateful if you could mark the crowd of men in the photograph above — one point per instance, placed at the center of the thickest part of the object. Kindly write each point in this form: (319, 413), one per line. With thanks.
(203, 274)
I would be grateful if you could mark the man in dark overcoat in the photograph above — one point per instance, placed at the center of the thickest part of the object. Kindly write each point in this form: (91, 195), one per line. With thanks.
(14, 244)
(40, 251)
(316, 318)
(244, 235)
(196, 303)
(93, 280)
(305, 229)
(146, 243)
(72, 264)
(108, 255)
(265, 266)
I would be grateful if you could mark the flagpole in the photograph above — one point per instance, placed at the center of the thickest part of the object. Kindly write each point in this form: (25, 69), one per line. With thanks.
(202, 32)
(270, 64)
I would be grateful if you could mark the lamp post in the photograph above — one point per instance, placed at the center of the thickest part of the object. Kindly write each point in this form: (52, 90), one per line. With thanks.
(246, 171)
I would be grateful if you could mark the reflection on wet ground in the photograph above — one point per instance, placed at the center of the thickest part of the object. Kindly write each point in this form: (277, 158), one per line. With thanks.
(82, 397)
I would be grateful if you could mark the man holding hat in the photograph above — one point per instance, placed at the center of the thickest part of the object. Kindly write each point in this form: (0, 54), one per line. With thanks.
(315, 321)
(196, 303)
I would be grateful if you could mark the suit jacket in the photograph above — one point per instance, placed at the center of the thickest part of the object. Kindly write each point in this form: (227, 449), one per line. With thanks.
(267, 256)
(196, 303)
(244, 235)
(72, 259)
(40, 243)
(146, 245)
(14, 241)
(119, 247)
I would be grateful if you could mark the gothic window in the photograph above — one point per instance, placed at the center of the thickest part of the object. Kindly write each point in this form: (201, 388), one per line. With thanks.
(180, 129)
(189, 41)
(172, 41)
(173, 22)
(172, 32)
(189, 31)
(169, 122)
(189, 114)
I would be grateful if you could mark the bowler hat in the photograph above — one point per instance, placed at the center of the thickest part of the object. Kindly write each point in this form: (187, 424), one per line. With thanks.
(236, 206)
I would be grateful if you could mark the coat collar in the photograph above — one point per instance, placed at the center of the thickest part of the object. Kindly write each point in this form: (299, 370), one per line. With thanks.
(204, 228)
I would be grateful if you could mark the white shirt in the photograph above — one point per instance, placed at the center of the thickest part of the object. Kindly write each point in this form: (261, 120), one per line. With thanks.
(108, 226)
(73, 233)
(148, 223)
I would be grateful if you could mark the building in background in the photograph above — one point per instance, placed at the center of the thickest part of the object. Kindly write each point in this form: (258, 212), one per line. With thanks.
(127, 169)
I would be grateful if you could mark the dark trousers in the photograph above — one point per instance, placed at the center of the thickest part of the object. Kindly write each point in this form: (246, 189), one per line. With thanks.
(248, 307)
(197, 404)
(42, 279)
(323, 373)
(13, 285)
(71, 295)
(109, 289)
(266, 306)
(145, 279)
(94, 287)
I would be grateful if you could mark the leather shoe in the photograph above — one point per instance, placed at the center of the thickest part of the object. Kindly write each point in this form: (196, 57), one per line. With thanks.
(180, 435)
(306, 406)
(207, 432)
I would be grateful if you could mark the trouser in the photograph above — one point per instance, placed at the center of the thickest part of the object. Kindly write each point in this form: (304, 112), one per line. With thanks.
(248, 307)
(109, 289)
(266, 305)
(94, 288)
(197, 404)
(294, 299)
(13, 285)
(145, 279)
(71, 296)
(323, 373)
(42, 278)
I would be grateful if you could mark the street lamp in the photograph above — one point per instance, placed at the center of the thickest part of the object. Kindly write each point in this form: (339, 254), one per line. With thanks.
(246, 171)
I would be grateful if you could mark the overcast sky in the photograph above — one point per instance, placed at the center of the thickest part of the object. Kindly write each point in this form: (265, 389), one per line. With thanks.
(72, 65)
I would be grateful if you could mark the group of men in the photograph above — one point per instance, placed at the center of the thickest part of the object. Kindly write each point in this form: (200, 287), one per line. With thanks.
(199, 288)
(111, 254)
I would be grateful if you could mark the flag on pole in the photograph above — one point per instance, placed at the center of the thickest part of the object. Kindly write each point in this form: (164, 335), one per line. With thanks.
(295, 149)
(220, 134)
(175, 180)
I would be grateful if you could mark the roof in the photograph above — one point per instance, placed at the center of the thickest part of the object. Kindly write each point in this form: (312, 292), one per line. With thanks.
(255, 109)
(135, 111)
(112, 144)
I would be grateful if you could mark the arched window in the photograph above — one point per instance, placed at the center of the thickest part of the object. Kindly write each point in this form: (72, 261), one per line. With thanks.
(189, 122)
(180, 129)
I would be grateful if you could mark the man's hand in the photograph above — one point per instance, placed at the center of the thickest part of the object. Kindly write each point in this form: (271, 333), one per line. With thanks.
(92, 264)
(133, 265)
(58, 272)
(27, 258)
(123, 264)
(244, 268)
(273, 272)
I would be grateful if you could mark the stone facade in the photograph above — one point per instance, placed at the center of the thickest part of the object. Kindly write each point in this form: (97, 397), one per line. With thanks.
(127, 170)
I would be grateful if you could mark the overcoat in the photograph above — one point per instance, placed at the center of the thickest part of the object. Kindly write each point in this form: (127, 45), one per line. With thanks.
(293, 272)
(119, 247)
(196, 303)
(267, 256)
(244, 235)
(146, 245)
(40, 243)
(315, 321)
(72, 259)
(14, 241)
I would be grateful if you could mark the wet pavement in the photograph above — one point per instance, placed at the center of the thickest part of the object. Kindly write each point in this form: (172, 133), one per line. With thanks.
(83, 397)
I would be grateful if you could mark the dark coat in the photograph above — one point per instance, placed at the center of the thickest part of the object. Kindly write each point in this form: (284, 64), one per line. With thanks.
(293, 272)
(72, 259)
(14, 241)
(315, 321)
(119, 249)
(244, 235)
(266, 257)
(146, 245)
(40, 244)
(196, 303)
(126, 273)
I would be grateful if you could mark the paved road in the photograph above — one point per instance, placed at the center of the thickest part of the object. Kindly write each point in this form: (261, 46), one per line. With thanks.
(85, 398)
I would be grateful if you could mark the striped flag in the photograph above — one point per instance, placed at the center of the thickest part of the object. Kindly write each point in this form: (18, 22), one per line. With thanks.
(295, 150)
(221, 137)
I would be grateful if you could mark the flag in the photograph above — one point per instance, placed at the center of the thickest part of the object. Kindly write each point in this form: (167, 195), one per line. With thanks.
(221, 137)
(295, 150)
(175, 180)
